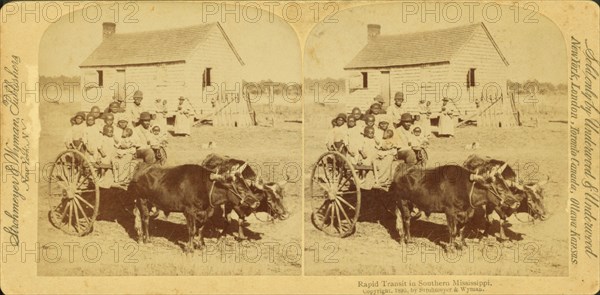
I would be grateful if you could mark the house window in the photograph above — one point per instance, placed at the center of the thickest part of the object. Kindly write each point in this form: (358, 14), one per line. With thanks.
(471, 78)
(365, 80)
(100, 78)
(206, 79)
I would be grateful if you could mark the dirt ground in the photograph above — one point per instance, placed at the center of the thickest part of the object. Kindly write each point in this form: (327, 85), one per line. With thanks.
(275, 248)
(539, 249)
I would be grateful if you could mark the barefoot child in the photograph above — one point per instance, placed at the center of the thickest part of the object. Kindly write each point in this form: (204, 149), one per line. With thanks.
(157, 140)
(125, 152)
(337, 139)
(355, 139)
(74, 138)
(93, 137)
(108, 146)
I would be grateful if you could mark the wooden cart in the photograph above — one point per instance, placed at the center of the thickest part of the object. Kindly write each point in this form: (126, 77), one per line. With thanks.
(73, 191)
(335, 192)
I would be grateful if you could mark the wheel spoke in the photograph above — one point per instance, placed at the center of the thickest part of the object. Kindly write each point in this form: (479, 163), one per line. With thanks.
(346, 193)
(346, 202)
(82, 211)
(341, 208)
(86, 191)
(76, 225)
(332, 209)
(62, 215)
(325, 170)
(343, 183)
(82, 180)
(326, 212)
(84, 201)
(333, 170)
(342, 174)
(70, 213)
(72, 165)
(64, 172)
(337, 214)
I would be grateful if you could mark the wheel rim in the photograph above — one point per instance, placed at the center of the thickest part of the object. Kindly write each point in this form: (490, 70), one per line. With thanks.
(73, 195)
(335, 195)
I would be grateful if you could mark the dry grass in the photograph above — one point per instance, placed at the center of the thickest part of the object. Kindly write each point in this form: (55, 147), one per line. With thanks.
(121, 255)
(371, 250)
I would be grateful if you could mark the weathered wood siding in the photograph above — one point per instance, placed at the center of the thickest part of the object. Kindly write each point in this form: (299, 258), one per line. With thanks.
(490, 72)
(363, 98)
(214, 53)
(422, 82)
(163, 81)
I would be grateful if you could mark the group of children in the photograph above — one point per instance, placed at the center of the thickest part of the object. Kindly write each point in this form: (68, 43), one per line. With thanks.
(357, 136)
(375, 139)
(107, 143)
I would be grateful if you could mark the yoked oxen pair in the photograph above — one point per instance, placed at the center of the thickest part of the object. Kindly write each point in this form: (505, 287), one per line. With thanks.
(271, 194)
(450, 189)
(191, 189)
(525, 196)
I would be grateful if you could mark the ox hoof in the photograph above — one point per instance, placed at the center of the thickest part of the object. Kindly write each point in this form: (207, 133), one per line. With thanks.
(188, 250)
(241, 239)
(459, 246)
(199, 245)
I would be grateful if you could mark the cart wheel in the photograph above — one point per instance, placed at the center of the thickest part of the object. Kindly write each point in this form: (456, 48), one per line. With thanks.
(162, 160)
(335, 195)
(73, 195)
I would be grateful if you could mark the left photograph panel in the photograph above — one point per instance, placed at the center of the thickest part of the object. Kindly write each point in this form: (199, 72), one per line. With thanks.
(172, 142)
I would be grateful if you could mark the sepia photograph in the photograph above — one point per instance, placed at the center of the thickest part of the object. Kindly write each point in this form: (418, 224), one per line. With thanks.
(435, 147)
(299, 147)
(178, 149)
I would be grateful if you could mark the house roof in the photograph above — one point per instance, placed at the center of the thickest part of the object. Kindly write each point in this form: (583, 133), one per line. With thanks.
(421, 48)
(150, 47)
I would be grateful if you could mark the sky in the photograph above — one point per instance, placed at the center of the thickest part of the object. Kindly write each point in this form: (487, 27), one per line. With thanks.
(534, 50)
(270, 49)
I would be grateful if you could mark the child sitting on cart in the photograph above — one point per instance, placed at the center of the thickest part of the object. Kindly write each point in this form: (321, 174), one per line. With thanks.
(93, 137)
(157, 140)
(379, 155)
(122, 164)
(74, 138)
(418, 142)
(337, 139)
(355, 139)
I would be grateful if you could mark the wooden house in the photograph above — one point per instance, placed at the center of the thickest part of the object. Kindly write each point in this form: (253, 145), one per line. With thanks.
(197, 62)
(462, 63)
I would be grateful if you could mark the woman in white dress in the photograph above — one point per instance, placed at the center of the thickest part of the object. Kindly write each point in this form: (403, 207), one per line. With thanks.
(446, 124)
(184, 118)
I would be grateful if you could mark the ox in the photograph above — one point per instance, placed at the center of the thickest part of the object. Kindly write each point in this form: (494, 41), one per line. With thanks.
(271, 193)
(449, 189)
(190, 189)
(529, 196)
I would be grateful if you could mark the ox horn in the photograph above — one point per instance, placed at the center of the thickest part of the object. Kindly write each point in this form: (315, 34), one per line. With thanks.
(476, 177)
(285, 181)
(501, 169)
(258, 183)
(242, 168)
(215, 177)
(514, 184)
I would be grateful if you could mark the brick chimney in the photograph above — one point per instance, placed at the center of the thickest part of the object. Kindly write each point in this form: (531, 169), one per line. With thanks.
(108, 29)
(373, 30)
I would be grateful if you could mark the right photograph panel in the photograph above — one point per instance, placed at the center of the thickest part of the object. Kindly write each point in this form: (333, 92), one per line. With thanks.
(436, 144)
